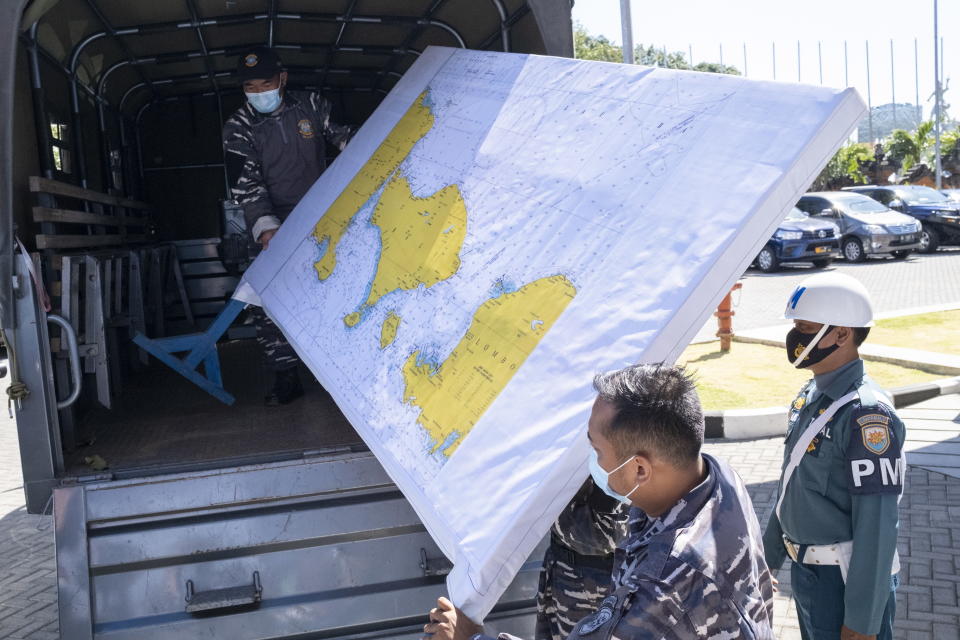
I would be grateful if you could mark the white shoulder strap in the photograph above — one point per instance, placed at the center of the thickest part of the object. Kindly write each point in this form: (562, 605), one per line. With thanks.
(800, 448)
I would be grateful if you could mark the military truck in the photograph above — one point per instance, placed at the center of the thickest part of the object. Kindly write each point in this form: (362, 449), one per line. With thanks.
(177, 515)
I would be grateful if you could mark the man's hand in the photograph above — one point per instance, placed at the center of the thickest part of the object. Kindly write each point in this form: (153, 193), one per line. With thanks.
(449, 623)
(266, 236)
(846, 633)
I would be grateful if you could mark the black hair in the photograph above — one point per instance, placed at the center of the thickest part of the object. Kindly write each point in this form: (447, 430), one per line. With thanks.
(860, 334)
(658, 412)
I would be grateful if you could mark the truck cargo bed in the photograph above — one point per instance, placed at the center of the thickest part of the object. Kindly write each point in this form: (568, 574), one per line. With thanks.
(162, 418)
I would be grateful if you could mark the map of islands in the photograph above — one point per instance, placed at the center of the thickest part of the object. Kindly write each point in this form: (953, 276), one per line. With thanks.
(504, 331)
(420, 243)
(388, 332)
(415, 123)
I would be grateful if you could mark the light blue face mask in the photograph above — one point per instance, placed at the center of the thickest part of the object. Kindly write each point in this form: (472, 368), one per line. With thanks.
(602, 478)
(265, 101)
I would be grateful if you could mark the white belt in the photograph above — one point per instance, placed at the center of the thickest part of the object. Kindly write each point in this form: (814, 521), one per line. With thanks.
(819, 553)
(838, 553)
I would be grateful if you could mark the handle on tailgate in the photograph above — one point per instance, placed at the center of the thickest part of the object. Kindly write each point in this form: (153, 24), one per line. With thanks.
(71, 336)
(225, 598)
(434, 566)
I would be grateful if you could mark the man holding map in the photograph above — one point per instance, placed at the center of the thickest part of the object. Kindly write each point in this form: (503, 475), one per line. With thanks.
(274, 151)
(692, 564)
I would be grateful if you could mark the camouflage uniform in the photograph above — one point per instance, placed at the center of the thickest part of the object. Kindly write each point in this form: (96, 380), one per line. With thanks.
(272, 161)
(278, 355)
(695, 572)
(577, 566)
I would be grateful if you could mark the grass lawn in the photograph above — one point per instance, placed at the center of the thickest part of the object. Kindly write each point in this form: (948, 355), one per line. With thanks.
(752, 376)
(938, 332)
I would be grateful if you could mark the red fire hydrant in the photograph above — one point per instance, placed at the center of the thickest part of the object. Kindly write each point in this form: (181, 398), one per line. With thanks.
(725, 315)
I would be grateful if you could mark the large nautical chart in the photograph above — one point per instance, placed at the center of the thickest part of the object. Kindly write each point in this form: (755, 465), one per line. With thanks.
(502, 228)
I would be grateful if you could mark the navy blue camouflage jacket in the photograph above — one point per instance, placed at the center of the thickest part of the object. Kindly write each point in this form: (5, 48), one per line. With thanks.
(695, 572)
(273, 160)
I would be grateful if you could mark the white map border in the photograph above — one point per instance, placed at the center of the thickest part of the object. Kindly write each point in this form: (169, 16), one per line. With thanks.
(485, 562)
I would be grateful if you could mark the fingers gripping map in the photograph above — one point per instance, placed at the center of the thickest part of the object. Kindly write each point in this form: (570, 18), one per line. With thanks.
(503, 227)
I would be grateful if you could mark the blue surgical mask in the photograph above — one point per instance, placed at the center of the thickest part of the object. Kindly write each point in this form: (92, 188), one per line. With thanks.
(265, 101)
(602, 478)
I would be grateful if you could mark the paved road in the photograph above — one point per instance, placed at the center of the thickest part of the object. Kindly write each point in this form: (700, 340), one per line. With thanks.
(894, 285)
(927, 603)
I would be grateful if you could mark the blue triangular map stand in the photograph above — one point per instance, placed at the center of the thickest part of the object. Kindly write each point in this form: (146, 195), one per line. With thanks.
(202, 348)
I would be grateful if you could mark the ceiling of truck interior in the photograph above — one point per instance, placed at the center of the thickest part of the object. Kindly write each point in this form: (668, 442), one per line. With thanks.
(173, 47)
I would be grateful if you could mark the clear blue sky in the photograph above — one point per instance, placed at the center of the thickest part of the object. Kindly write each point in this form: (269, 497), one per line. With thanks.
(706, 25)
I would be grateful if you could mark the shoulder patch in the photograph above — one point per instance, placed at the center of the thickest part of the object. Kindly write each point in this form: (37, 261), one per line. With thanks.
(874, 462)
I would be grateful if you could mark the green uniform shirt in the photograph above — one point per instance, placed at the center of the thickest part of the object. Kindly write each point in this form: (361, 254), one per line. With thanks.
(846, 488)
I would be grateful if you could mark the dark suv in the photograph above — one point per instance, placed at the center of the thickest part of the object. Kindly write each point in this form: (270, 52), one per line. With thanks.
(939, 215)
(800, 238)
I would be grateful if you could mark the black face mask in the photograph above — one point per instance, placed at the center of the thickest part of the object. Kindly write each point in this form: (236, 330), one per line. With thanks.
(797, 341)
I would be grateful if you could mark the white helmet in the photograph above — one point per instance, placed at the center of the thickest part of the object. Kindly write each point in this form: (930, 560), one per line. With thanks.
(831, 299)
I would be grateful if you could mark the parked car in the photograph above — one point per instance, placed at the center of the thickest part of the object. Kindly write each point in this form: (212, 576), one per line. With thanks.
(800, 238)
(939, 215)
(867, 227)
(953, 194)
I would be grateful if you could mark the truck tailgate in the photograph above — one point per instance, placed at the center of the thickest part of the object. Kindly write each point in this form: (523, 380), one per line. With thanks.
(322, 547)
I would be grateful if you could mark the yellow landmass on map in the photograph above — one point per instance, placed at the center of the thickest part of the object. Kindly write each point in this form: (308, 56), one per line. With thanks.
(388, 332)
(414, 124)
(351, 319)
(504, 331)
(420, 238)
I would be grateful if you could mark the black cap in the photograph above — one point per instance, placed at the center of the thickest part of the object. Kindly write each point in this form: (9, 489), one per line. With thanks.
(259, 63)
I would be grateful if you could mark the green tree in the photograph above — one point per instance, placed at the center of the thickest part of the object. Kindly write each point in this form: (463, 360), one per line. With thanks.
(950, 144)
(653, 57)
(590, 47)
(587, 46)
(909, 148)
(714, 67)
(845, 168)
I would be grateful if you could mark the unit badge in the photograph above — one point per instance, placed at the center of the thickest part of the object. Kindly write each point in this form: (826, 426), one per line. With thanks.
(595, 621)
(305, 127)
(876, 438)
(251, 60)
(799, 402)
(600, 618)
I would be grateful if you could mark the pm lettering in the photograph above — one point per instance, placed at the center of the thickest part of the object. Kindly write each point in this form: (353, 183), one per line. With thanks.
(891, 471)
(861, 468)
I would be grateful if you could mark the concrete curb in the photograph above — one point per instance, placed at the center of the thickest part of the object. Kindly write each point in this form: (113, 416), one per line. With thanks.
(748, 424)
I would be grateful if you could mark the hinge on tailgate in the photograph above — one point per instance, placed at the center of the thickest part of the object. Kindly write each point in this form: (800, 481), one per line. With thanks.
(434, 566)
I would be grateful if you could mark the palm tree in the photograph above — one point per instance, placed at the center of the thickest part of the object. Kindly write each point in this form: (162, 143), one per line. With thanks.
(910, 148)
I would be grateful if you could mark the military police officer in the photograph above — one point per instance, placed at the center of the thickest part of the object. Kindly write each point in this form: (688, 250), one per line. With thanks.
(274, 149)
(843, 471)
(692, 565)
(578, 564)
